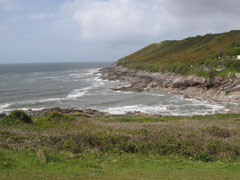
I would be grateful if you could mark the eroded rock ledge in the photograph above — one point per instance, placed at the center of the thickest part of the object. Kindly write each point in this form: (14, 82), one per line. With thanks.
(84, 112)
(219, 89)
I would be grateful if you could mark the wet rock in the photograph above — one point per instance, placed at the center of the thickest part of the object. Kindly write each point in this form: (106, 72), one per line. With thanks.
(237, 75)
(186, 96)
(171, 108)
(132, 113)
(95, 113)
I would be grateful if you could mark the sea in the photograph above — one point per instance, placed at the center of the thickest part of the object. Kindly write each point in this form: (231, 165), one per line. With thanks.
(78, 85)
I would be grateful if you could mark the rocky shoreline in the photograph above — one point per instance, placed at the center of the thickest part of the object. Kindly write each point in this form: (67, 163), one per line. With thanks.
(220, 89)
(84, 112)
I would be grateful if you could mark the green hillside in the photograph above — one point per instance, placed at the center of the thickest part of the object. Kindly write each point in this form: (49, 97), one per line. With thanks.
(200, 50)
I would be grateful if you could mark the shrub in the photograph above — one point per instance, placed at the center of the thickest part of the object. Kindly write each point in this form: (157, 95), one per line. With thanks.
(218, 132)
(203, 157)
(52, 119)
(16, 117)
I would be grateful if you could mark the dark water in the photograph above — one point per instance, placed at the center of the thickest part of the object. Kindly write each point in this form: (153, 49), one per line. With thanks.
(37, 86)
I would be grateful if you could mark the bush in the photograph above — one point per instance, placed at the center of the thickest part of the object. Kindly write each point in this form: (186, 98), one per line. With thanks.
(218, 132)
(203, 157)
(16, 117)
(53, 119)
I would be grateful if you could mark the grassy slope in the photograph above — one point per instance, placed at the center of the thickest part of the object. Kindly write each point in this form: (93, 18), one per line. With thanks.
(194, 51)
(122, 147)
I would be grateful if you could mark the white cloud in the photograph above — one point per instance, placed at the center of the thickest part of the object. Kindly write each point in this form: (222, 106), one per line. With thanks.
(136, 20)
(119, 19)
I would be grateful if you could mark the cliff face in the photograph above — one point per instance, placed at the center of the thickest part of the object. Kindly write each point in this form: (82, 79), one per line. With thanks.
(219, 89)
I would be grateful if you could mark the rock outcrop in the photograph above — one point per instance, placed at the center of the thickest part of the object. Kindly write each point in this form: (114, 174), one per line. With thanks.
(218, 89)
(85, 112)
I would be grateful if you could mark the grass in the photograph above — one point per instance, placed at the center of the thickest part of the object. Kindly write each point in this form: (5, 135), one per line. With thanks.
(192, 49)
(124, 118)
(25, 165)
(52, 119)
(190, 56)
(61, 146)
(210, 68)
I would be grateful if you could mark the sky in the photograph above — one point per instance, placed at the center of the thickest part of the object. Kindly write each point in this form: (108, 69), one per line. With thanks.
(34, 31)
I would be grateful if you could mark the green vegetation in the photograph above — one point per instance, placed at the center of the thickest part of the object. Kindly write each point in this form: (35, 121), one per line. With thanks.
(52, 119)
(26, 165)
(212, 54)
(16, 117)
(64, 146)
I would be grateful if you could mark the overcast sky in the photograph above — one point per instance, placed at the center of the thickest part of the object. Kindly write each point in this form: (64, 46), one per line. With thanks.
(103, 30)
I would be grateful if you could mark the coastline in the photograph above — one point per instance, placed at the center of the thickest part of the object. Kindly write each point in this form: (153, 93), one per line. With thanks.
(219, 89)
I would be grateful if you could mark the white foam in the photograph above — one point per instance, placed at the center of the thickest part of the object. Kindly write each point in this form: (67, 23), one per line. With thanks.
(141, 108)
(34, 102)
(33, 109)
(84, 73)
(77, 76)
(153, 94)
(87, 73)
(97, 82)
(50, 100)
(93, 70)
(124, 92)
(50, 77)
(78, 93)
(3, 107)
(216, 107)
(173, 110)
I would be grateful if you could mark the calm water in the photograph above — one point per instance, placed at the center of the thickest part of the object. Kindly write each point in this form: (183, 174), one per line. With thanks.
(38, 86)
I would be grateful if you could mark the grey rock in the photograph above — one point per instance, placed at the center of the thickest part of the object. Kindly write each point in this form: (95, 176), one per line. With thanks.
(192, 86)
(86, 112)
(237, 75)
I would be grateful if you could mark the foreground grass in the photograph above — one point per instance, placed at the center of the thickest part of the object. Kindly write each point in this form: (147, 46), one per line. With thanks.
(61, 146)
(26, 165)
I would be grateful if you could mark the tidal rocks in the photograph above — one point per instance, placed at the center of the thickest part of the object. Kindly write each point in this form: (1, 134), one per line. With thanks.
(86, 112)
(219, 88)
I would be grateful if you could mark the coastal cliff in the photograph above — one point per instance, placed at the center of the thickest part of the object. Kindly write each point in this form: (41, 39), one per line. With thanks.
(201, 67)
